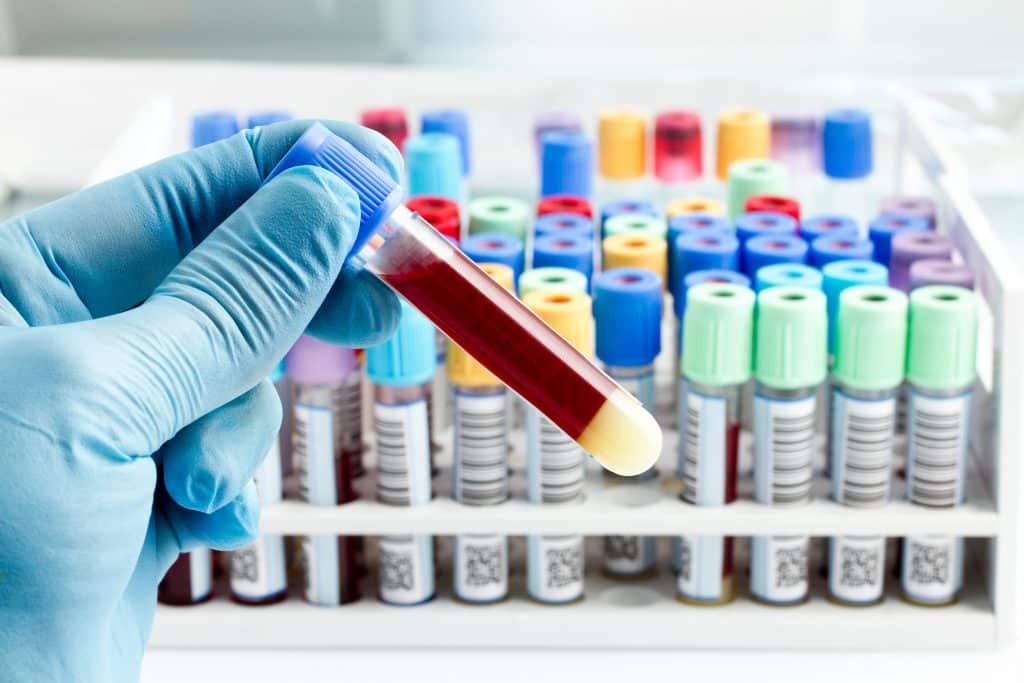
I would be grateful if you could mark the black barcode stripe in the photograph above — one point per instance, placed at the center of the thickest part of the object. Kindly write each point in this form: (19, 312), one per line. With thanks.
(691, 451)
(393, 480)
(481, 451)
(792, 454)
(867, 449)
(936, 444)
(562, 466)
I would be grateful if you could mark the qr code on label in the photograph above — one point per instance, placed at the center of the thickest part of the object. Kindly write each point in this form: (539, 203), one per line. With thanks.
(790, 567)
(565, 566)
(483, 564)
(622, 547)
(929, 563)
(860, 567)
(685, 558)
(245, 565)
(396, 570)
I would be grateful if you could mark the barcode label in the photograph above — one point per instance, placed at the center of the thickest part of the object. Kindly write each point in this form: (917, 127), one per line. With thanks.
(349, 401)
(862, 449)
(268, 475)
(314, 455)
(481, 449)
(258, 569)
(932, 569)
(481, 567)
(406, 569)
(702, 568)
(555, 464)
(778, 568)
(555, 568)
(629, 555)
(937, 440)
(704, 449)
(783, 450)
(403, 453)
(321, 566)
(856, 572)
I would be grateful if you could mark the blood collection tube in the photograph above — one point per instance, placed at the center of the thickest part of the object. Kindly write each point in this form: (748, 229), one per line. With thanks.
(636, 251)
(882, 229)
(773, 203)
(212, 126)
(400, 370)
(936, 272)
(575, 252)
(828, 225)
(556, 468)
(916, 207)
(552, 280)
(620, 207)
(495, 248)
(627, 317)
(678, 148)
(742, 134)
(635, 224)
(389, 122)
(479, 466)
(554, 122)
(718, 329)
(482, 317)
(767, 250)
(787, 275)
(839, 276)
(754, 177)
(442, 214)
(686, 223)
(847, 154)
(796, 142)
(791, 362)
(909, 247)
(267, 117)
(327, 447)
(503, 215)
(941, 348)
(622, 153)
(566, 165)
(565, 203)
(869, 364)
(453, 122)
(686, 205)
(434, 167)
(825, 250)
(751, 225)
(563, 224)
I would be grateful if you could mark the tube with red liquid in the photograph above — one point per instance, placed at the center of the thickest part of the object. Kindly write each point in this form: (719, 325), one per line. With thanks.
(482, 317)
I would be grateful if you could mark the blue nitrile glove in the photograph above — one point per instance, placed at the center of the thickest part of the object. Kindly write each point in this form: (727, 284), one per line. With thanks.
(128, 432)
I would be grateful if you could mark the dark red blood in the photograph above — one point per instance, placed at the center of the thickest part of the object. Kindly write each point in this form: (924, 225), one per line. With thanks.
(176, 587)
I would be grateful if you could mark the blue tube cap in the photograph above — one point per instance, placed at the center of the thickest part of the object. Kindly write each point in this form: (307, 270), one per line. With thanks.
(564, 224)
(622, 206)
(575, 252)
(788, 275)
(454, 122)
(496, 247)
(409, 357)
(265, 118)
(764, 223)
(882, 229)
(828, 225)
(700, 251)
(434, 166)
(825, 250)
(211, 126)
(846, 143)
(566, 165)
(841, 275)
(698, 277)
(627, 316)
(767, 250)
(686, 223)
(379, 195)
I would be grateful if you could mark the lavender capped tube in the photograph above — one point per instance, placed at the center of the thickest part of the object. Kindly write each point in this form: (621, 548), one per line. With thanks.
(796, 142)
(939, 272)
(918, 207)
(909, 247)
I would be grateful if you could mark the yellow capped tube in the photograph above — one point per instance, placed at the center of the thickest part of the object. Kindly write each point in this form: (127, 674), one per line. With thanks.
(637, 251)
(742, 134)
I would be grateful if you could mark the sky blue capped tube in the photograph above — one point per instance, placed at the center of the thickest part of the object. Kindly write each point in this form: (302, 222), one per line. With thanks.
(496, 247)
(563, 224)
(434, 166)
(575, 252)
(566, 164)
(267, 117)
(841, 275)
(788, 275)
(621, 206)
(828, 225)
(212, 126)
(702, 251)
(825, 250)
(882, 229)
(453, 122)
(767, 250)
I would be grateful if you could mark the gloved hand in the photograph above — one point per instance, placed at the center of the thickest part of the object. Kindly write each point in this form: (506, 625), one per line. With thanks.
(138, 320)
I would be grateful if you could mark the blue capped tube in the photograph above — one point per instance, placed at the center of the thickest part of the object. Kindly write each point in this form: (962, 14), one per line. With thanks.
(496, 247)
(267, 117)
(212, 126)
(882, 229)
(575, 252)
(767, 250)
(686, 223)
(453, 122)
(564, 224)
(825, 250)
(566, 165)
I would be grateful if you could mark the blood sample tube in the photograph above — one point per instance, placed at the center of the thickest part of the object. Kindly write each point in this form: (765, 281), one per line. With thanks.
(678, 149)
(847, 149)
(389, 122)
(267, 117)
(495, 248)
(555, 465)
(825, 250)
(908, 247)
(828, 225)
(869, 363)
(503, 215)
(686, 205)
(791, 362)
(554, 122)
(552, 280)
(627, 317)
(566, 165)
(565, 251)
(917, 207)
(742, 134)
(941, 347)
(327, 450)
(622, 153)
(565, 203)
(685, 223)
(762, 223)
(788, 275)
(212, 126)
(481, 317)
(935, 272)
(635, 224)
(839, 276)
(453, 122)
(767, 250)
(718, 329)
(442, 214)
(751, 178)
(480, 466)
(882, 229)
(434, 167)
(773, 204)
(636, 251)
(400, 370)
(563, 224)
(796, 142)
(619, 207)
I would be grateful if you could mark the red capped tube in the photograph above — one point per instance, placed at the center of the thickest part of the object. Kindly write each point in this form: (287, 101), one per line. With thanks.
(389, 122)
(565, 203)
(441, 212)
(773, 203)
(678, 147)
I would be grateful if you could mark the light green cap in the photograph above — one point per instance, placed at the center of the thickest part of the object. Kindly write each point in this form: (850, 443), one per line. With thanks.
(942, 338)
(552, 280)
(792, 338)
(506, 215)
(871, 338)
(635, 224)
(751, 177)
(719, 330)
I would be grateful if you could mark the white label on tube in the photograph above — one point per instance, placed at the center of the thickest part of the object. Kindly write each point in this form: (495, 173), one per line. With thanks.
(481, 448)
(258, 569)
(200, 573)
(704, 444)
(313, 453)
(937, 439)
(932, 569)
(778, 568)
(862, 449)
(702, 567)
(555, 568)
(481, 567)
(268, 475)
(403, 453)
(856, 571)
(783, 450)
(322, 566)
(629, 555)
(555, 463)
(406, 569)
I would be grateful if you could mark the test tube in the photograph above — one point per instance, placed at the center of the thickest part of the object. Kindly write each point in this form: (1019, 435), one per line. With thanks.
(848, 162)
(828, 225)
(575, 252)
(212, 126)
(495, 248)
(327, 447)
(941, 348)
(434, 167)
(622, 154)
(635, 224)
(788, 275)
(767, 250)
(753, 177)
(480, 466)
(882, 229)
(773, 203)
(556, 467)
(791, 362)
(389, 122)
(627, 317)
(646, 252)
(565, 203)
(686, 205)
(839, 276)
(678, 150)
(825, 250)
(567, 165)
(442, 214)
(869, 364)
(917, 207)
(620, 207)
(400, 370)
(453, 122)
(685, 223)
(751, 225)
(796, 142)
(742, 134)
(504, 215)
(482, 317)
(909, 247)
(552, 280)
(554, 122)
(563, 224)
(937, 272)
(267, 117)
